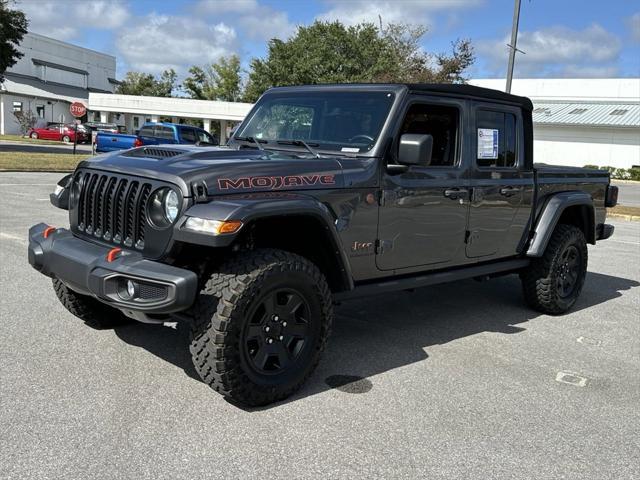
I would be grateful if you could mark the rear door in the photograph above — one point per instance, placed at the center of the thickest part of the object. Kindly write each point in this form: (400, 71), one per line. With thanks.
(501, 183)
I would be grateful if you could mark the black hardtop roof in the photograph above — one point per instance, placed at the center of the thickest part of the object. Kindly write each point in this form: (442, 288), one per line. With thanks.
(454, 89)
(467, 90)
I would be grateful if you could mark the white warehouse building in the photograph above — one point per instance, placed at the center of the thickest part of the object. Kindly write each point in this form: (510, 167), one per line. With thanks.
(582, 122)
(49, 77)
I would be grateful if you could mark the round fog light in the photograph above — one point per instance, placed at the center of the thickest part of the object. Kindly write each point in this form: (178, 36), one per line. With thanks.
(127, 289)
(131, 288)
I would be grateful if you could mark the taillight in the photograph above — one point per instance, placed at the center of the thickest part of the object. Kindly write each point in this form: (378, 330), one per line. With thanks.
(137, 142)
(612, 196)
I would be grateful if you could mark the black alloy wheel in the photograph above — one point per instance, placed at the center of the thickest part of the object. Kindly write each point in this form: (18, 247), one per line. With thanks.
(260, 324)
(568, 271)
(277, 331)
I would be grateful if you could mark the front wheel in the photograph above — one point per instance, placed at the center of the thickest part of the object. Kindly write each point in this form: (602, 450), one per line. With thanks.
(34, 135)
(553, 282)
(66, 139)
(260, 326)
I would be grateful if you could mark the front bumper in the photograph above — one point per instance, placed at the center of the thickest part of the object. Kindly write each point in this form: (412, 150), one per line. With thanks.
(83, 267)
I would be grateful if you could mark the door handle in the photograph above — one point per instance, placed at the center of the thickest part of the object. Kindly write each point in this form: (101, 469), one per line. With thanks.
(509, 191)
(455, 193)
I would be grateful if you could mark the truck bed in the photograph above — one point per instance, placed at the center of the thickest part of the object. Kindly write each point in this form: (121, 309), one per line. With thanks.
(108, 142)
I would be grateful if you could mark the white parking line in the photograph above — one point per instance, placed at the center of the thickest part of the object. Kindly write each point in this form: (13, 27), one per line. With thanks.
(14, 238)
(572, 378)
(25, 184)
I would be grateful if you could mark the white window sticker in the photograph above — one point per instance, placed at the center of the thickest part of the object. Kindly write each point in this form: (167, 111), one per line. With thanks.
(487, 143)
(350, 149)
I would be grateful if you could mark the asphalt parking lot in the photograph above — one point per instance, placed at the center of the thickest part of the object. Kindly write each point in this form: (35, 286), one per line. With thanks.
(458, 381)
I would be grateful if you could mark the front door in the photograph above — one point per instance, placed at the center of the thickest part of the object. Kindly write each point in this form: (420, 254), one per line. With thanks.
(423, 211)
(502, 184)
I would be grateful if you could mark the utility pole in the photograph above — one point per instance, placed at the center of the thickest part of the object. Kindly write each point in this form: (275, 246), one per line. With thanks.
(512, 46)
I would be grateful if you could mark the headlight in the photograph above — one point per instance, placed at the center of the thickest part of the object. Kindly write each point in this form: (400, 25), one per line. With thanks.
(163, 207)
(213, 227)
(171, 206)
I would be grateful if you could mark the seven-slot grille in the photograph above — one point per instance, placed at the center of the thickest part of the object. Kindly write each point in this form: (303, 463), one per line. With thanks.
(113, 208)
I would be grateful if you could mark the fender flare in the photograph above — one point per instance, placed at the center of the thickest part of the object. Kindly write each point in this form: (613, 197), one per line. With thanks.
(551, 213)
(251, 207)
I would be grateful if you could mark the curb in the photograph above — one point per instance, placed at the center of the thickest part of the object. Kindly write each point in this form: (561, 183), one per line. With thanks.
(622, 216)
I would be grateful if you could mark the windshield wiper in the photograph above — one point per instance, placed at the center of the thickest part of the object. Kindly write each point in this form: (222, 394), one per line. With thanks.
(301, 143)
(256, 141)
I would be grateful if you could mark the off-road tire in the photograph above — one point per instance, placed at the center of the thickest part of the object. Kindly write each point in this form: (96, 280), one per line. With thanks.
(540, 279)
(220, 316)
(94, 313)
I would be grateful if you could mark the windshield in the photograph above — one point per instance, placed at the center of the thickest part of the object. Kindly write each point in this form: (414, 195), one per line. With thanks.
(339, 121)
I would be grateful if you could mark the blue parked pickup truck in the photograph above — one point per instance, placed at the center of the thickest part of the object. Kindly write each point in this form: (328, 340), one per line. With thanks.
(155, 134)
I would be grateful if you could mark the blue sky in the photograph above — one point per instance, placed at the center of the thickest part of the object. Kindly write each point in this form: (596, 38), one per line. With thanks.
(561, 38)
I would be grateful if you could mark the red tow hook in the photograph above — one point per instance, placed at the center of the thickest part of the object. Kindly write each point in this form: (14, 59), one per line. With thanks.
(48, 231)
(113, 254)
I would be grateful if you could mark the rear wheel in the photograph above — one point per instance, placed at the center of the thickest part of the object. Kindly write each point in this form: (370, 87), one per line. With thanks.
(66, 138)
(260, 326)
(93, 312)
(553, 282)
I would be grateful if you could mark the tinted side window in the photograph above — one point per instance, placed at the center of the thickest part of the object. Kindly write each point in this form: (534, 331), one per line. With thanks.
(166, 133)
(146, 132)
(441, 122)
(204, 137)
(496, 139)
(188, 135)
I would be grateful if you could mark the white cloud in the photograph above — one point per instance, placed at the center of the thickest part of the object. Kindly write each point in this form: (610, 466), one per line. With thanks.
(391, 11)
(270, 24)
(633, 22)
(556, 51)
(217, 7)
(257, 21)
(158, 42)
(63, 21)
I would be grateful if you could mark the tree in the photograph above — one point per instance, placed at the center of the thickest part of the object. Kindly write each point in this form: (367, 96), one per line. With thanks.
(330, 52)
(218, 81)
(13, 27)
(26, 120)
(138, 83)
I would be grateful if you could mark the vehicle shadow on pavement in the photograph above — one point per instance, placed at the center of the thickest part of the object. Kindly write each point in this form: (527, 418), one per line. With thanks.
(377, 334)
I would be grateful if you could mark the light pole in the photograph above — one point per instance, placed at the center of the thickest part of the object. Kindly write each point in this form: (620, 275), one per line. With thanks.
(512, 46)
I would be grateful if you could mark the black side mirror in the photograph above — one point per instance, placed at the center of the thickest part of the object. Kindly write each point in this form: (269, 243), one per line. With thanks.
(415, 149)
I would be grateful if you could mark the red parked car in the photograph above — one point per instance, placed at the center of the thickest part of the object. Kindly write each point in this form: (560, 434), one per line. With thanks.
(57, 131)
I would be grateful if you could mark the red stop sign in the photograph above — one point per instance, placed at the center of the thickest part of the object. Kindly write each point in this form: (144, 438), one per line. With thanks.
(77, 109)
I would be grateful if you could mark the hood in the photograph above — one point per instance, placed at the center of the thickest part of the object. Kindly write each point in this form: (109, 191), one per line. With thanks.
(225, 171)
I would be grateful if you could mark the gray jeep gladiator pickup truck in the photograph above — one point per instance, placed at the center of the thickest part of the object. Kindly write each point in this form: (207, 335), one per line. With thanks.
(324, 193)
